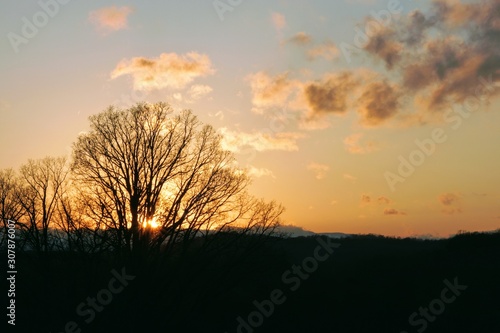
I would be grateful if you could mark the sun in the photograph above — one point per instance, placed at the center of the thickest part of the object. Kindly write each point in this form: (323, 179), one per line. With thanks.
(151, 223)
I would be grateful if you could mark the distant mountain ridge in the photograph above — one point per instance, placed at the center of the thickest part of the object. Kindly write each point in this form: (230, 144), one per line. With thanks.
(296, 231)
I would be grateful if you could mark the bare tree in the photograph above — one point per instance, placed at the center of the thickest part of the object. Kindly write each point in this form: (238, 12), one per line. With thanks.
(41, 185)
(149, 166)
(83, 227)
(10, 208)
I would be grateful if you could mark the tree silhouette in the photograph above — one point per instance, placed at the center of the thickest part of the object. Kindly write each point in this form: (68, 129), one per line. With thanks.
(148, 166)
(41, 183)
(10, 207)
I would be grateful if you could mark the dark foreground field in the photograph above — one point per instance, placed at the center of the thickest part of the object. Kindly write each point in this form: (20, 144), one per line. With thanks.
(357, 284)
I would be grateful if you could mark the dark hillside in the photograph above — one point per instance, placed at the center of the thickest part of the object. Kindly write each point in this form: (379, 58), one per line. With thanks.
(367, 284)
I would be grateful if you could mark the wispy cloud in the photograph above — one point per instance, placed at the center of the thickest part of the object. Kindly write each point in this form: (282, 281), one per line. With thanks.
(270, 91)
(354, 145)
(393, 211)
(279, 21)
(384, 200)
(169, 70)
(236, 140)
(110, 19)
(349, 177)
(319, 170)
(198, 91)
(328, 51)
(450, 202)
(260, 172)
(365, 199)
(300, 38)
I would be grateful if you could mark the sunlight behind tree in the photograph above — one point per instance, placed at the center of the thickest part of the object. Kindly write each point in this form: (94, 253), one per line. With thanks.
(158, 178)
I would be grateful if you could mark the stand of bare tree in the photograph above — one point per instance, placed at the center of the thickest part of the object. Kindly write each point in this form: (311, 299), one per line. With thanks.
(140, 180)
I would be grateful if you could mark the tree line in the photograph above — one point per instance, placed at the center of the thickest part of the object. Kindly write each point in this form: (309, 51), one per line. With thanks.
(141, 180)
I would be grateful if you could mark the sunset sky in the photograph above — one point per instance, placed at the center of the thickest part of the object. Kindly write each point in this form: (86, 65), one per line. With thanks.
(359, 116)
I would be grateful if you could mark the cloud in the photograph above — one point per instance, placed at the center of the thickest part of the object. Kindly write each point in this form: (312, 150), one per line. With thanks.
(379, 102)
(440, 55)
(235, 140)
(279, 21)
(319, 169)
(450, 202)
(313, 123)
(330, 95)
(270, 91)
(219, 114)
(375, 99)
(349, 177)
(198, 91)
(110, 19)
(260, 172)
(327, 51)
(448, 199)
(383, 46)
(169, 70)
(447, 54)
(365, 198)
(177, 96)
(354, 146)
(384, 200)
(300, 38)
(392, 211)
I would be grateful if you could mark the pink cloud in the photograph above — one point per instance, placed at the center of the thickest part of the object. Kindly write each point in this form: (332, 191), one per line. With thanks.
(110, 19)
(279, 21)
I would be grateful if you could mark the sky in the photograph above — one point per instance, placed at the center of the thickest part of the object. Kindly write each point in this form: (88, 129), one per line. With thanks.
(359, 116)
